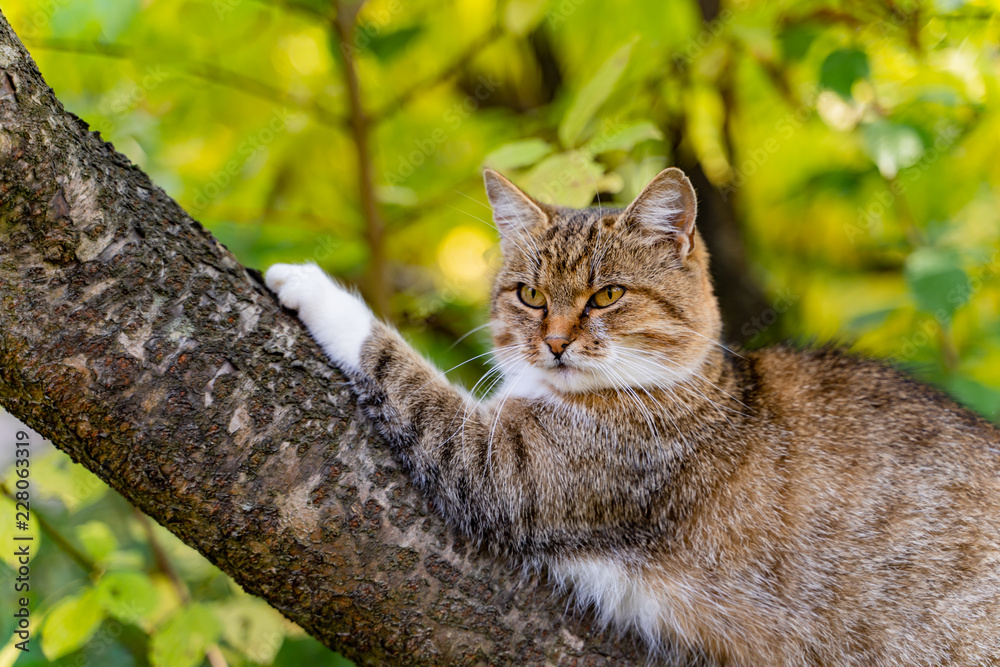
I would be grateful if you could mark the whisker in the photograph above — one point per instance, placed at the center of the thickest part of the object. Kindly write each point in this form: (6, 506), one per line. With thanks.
(469, 333)
(686, 386)
(496, 420)
(535, 257)
(661, 356)
(710, 340)
(467, 361)
(643, 409)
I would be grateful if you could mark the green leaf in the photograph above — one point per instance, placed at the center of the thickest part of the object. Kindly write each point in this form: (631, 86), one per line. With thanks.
(593, 95)
(522, 16)
(984, 400)
(386, 45)
(939, 284)
(570, 179)
(892, 146)
(253, 627)
(57, 476)
(128, 596)
(70, 624)
(518, 154)
(796, 39)
(97, 539)
(182, 640)
(623, 139)
(842, 69)
(870, 320)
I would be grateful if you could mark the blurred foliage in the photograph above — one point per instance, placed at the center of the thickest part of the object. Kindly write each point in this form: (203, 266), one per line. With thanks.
(854, 141)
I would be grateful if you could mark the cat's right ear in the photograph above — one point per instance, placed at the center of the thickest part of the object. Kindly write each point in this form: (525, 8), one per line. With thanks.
(666, 209)
(514, 212)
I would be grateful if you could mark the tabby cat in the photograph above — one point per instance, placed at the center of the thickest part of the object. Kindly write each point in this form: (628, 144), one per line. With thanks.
(776, 507)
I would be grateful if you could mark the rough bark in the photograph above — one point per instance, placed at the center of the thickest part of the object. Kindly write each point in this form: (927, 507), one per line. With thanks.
(139, 345)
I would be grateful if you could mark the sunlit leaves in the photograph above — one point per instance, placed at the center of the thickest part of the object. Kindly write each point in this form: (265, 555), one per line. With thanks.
(251, 626)
(97, 539)
(570, 179)
(129, 597)
(593, 94)
(70, 624)
(892, 146)
(937, 281)
(518, 154)
(624, 138)
(183, 639)
(522, 16)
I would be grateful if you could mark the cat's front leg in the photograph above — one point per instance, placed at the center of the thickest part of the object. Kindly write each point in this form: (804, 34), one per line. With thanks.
(337, 318)
(458, 452)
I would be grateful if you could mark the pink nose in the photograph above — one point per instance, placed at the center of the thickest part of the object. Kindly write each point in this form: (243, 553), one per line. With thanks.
(557, 345)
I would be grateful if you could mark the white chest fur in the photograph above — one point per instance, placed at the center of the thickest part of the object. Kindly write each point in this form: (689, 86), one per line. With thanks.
(621, 596)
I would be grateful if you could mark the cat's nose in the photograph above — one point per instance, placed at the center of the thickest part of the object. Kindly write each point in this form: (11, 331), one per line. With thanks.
(557, 345)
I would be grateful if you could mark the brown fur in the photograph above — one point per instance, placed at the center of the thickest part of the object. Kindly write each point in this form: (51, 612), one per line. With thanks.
(779, 507)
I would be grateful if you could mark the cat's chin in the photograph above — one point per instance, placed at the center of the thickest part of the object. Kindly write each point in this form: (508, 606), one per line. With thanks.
(530, 381)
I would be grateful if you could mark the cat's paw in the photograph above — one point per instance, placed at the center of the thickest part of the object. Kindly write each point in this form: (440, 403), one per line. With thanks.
(337, 319)
(296, 285)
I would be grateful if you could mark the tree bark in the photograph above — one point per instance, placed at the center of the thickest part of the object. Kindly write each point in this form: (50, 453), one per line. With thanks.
(138, 344)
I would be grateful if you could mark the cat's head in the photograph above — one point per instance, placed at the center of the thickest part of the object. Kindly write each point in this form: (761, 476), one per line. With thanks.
(596, 298)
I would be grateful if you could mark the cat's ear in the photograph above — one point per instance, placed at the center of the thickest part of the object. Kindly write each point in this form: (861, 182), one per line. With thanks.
(513, 211)
(666, 209)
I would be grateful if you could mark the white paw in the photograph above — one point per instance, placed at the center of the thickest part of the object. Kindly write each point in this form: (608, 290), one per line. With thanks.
(295, 284)
(338, 319)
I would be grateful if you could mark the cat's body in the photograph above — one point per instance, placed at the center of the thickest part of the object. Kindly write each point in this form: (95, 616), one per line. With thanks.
(777, 507)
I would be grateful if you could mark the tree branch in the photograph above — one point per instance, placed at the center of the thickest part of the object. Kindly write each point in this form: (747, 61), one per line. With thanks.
(135, 342)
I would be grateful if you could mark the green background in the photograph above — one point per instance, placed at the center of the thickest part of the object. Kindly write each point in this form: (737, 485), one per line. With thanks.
(853, 143)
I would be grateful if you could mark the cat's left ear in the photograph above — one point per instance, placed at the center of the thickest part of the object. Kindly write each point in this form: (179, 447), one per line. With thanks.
(666, 208)
(514, 212)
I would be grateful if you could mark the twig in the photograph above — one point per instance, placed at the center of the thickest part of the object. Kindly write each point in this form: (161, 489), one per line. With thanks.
(375, 283)
(163, 564)
(161, 559)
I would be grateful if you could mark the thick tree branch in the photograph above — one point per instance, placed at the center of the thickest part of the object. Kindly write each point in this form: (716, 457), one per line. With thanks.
(137, 344)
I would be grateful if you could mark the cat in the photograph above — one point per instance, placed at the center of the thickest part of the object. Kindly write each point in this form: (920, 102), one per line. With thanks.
(774, 507)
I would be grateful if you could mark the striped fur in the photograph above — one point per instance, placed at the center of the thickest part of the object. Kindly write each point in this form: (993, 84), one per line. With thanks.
(779, 507)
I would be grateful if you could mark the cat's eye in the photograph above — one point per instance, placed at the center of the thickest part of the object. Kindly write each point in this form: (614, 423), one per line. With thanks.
(531, 297)
(607, 296)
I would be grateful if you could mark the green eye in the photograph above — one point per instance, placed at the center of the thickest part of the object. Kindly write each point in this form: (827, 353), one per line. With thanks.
(607, 296)
(531, 297)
